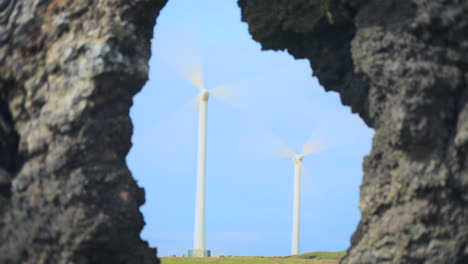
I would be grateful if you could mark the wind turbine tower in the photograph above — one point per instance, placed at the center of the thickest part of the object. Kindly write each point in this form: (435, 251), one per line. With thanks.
(199, 240)
(310, 147)
(296, 205)
(193, 74)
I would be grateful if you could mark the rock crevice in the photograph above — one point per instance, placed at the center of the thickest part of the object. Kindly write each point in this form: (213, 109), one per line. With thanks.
(10, 161)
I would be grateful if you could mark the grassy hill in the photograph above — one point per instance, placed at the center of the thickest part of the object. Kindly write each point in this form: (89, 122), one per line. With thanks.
(319, 257)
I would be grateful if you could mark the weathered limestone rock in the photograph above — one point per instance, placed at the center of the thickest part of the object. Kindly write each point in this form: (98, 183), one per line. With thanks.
(69, 69)
(68, 72)
(402, 65)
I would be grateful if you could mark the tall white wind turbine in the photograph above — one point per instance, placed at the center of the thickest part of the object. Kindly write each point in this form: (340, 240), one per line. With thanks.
(313, 145)
(194, 75)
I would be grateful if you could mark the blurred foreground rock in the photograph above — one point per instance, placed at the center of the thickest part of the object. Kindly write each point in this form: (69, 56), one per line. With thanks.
(68, 72)
(402, 65)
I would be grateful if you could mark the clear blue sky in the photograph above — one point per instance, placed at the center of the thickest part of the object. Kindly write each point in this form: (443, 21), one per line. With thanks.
(249, 191)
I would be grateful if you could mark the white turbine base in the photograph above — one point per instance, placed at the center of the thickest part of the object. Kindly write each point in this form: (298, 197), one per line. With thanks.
(199, 253)
(200, 212)
(296, 208)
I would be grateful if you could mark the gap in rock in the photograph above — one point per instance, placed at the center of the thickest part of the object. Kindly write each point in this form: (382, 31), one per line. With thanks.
(249, 195)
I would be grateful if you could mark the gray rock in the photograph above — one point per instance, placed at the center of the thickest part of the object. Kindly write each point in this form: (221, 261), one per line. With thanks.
(5, 178)
(68, 72)
(402, 66)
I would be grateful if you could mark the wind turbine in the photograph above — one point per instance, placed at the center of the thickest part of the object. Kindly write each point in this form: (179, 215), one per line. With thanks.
(194, 75)
(313, 145)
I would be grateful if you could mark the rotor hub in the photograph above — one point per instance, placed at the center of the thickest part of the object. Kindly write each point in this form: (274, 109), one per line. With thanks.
(297, 159)
(204, 95)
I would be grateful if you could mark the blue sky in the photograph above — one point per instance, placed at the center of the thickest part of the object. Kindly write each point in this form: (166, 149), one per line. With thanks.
(249, 190)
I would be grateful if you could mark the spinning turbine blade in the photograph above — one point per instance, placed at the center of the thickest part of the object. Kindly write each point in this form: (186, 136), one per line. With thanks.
(239, 94)
(312, 145)
(194, 73)
(227, 92)
(172, 130)
(282, 150)
(190, 68)
(186, 114)
(191, 107)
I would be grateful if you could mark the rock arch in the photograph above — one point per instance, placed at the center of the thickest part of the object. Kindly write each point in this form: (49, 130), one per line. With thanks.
(69, 70)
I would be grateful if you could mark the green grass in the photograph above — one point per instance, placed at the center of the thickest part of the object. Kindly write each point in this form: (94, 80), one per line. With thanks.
(320, 257)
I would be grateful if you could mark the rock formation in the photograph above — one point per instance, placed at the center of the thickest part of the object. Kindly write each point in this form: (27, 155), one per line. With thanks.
(402, 65)
(68, 72)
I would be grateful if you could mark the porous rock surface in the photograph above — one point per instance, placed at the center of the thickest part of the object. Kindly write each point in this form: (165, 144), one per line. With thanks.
(402, 65)
(68, 72)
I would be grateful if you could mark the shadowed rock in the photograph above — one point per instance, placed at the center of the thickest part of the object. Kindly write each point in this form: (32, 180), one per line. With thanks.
(68, 72)
(402, 65)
